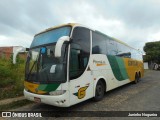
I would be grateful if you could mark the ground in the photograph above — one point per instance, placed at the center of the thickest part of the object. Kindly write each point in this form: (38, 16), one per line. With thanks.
(143, 96)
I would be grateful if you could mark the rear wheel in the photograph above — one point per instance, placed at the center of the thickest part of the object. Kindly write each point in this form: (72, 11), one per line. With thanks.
(136, 78)
(99, 93)
(139, 76)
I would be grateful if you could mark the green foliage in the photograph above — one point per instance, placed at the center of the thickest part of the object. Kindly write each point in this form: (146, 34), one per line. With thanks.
(11, 78)
(152, 50)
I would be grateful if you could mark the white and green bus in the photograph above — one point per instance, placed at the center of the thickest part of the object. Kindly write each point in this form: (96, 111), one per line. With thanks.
(71, 63)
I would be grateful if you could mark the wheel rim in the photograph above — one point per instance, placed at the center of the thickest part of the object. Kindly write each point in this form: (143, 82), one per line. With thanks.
(99, 90)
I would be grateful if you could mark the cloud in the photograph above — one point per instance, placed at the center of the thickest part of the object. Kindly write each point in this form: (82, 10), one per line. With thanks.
(154, 37)
(134, 22)
(135, 13)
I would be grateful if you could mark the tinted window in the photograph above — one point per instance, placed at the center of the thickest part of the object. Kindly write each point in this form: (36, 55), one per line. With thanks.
(102, 44)
(135, 54)
(98, 43)
(111, 47)
(80, 51)
(123, 50)
(50, 36)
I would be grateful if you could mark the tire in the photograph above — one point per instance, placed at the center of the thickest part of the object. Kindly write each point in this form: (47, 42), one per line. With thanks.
(139, 76)
(136, 79)
(99, 93)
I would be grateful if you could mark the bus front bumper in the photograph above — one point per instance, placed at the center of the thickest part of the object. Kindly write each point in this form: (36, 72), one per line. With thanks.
(60, 100)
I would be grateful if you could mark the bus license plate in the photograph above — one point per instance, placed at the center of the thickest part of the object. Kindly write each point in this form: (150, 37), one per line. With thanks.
(38, 100)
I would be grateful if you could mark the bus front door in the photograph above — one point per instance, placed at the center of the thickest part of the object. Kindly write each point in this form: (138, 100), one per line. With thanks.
(81, 79)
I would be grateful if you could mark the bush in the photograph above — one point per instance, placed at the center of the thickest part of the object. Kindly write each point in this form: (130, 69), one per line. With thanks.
(11, 78)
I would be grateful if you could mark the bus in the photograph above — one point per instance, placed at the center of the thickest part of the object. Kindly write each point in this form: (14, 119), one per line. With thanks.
(71, 63)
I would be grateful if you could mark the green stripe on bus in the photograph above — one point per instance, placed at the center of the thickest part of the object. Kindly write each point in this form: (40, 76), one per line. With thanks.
(122, 68)
(118, 67)
(115, 67)
(48, 87)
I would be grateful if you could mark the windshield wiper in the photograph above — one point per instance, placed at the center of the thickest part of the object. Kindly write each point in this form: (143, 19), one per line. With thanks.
(31, 69)
(37, 60)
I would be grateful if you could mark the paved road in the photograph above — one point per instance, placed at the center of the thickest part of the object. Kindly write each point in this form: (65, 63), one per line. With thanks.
(144, 96)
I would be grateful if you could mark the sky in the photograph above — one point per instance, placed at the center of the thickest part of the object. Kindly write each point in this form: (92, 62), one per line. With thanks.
(134, 22)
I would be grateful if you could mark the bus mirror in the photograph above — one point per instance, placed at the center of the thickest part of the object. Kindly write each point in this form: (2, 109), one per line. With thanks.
(59, 44)
(15, 53)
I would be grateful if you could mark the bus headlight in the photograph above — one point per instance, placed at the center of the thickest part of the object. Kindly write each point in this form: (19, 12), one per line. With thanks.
(57, 92)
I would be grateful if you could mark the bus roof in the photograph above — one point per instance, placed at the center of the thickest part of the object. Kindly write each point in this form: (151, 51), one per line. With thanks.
(77, 24)
(123, 43)
(58, 26)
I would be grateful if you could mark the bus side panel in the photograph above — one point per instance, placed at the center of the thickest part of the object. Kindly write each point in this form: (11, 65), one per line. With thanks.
(81, 88)
(141, 66)
(101, 68)
(131, 70)
(132, 67)
(119, 70)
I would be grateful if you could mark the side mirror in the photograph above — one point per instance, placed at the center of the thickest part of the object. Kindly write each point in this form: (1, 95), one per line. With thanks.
(18, 51)
(58, 47)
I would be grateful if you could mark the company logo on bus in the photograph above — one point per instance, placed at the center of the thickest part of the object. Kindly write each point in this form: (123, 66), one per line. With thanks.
(81, 92)
(99, 63)
(132, 63)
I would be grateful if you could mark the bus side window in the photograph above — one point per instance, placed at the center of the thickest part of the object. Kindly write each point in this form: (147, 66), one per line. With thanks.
(78, 62)
(96, 50)
(111, 47)
(98, 43)
(80, 52)
(74, 59)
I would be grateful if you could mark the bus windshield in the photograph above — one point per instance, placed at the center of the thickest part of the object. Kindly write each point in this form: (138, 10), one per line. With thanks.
(50, 36)
(42, 66)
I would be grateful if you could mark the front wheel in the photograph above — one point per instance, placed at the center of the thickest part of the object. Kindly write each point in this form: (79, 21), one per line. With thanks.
(99, 91)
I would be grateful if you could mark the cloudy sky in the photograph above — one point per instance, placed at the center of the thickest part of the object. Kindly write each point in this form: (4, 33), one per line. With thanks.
(132, 21)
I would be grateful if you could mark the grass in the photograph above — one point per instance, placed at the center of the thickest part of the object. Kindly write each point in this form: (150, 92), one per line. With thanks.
(14, 105)
(11, 78)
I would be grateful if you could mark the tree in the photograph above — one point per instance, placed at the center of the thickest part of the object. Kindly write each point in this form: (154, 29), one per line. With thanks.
(152, 50)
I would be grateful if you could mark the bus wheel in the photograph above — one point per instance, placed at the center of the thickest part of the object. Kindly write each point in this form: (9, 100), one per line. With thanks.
(136, 79)
(139, 76)
(99, 91)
